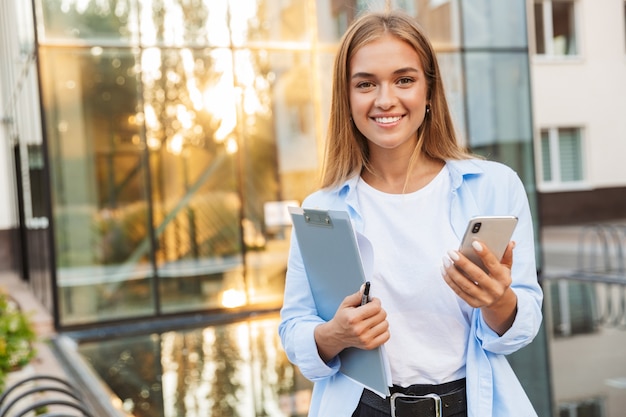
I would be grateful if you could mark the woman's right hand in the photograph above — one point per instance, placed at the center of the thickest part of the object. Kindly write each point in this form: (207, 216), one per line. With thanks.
(354, 325)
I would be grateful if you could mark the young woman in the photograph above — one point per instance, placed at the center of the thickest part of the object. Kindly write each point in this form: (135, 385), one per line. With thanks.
(394, 164)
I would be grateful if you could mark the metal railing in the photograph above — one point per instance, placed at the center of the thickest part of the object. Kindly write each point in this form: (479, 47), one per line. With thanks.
(611, 239)
(601, 271)
(44, 395)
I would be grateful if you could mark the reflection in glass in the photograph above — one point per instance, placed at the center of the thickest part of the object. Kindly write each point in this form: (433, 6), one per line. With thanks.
(494, 24)
(498, 109)
(177, 151)
(190, 117)
(86, 19)
(451, 68)
(253, 21)
(279, 156)
(98, 182)
(441, 21)
(236, 369)
(176, 23)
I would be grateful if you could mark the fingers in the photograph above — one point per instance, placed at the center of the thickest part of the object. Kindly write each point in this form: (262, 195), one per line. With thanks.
(369, 325)
(352, 300)
(488, 259)
(507, 258)
(471, 283)
(362, 326)
(459, 281)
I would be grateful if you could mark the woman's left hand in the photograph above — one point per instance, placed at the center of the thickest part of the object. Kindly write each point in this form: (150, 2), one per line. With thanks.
(490, 292)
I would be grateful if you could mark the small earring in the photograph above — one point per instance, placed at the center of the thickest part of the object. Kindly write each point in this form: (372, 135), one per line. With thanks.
(427, 108)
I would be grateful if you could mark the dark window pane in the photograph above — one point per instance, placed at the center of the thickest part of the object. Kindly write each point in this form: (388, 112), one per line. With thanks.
(540, 40)
(546, 163)
(589, 408)
(564, 28)
(570, 155)
(37, 180)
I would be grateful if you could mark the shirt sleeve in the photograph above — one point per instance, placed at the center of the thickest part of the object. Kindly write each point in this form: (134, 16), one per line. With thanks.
(525, 283)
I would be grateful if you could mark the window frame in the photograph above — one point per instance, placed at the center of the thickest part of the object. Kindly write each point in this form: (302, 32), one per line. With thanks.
(556, 184)
(548, 32)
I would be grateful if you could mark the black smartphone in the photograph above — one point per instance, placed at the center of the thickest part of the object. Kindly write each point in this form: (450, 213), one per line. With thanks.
(493, 231)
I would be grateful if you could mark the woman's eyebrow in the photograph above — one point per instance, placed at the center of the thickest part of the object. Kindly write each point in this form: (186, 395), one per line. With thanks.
(361, 75)
(404, 70)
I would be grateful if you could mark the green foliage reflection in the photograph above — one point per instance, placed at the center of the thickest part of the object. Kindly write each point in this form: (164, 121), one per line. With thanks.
(232, 370)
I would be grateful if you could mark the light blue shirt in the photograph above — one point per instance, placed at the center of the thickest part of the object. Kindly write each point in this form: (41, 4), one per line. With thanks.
(477, 188)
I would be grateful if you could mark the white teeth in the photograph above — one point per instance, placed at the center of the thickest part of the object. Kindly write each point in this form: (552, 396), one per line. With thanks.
(387, 119)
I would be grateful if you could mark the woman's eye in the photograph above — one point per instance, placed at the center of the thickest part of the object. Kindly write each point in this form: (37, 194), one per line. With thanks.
(365, 84)
(405, 81)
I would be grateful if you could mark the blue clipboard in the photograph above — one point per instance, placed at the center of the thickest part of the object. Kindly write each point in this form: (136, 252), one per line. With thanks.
(330, 252)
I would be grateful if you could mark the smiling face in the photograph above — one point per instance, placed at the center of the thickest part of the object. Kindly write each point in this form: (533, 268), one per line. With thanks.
(388, 94)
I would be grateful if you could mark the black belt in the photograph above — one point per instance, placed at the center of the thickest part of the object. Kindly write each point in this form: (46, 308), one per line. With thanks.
(419, 400)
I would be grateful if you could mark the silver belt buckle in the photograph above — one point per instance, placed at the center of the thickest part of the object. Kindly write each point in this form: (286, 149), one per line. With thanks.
(436, 399)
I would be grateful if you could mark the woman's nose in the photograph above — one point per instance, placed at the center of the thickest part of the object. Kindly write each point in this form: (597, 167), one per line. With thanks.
(385, 97)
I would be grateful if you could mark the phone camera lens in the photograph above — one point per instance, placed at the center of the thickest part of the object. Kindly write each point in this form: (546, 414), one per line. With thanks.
(476, 227)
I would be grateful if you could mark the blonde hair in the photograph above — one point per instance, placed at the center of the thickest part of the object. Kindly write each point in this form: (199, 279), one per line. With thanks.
(347, 150)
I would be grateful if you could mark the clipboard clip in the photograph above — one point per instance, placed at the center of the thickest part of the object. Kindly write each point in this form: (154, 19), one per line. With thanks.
(317, 218)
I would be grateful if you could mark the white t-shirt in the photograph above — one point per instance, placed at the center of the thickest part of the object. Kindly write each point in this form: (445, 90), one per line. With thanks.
(429, 323)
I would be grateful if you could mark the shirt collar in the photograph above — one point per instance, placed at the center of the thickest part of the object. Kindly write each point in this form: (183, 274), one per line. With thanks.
(460, 168)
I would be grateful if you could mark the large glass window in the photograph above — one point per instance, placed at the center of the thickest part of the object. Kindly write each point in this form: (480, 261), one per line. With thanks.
(98, 170)
(172, 136)
(555, 27)
(494, 24)
(441, 20)
(498, 109)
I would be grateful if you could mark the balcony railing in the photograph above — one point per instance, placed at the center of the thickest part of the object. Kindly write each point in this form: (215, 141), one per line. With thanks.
(593, 293)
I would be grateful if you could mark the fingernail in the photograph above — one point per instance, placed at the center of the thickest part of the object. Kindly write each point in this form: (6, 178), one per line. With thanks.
(446, 262)
(453, 255)
(477, 246)
(443, 271)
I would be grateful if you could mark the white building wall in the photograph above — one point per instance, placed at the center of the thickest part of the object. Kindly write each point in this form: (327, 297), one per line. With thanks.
(589, 91)
(8, 196)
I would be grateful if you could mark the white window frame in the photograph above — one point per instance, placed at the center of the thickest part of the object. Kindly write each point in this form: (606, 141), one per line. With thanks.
(555, 184)
(548, 32)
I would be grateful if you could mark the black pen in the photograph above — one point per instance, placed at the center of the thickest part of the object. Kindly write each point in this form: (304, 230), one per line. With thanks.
(365, 298)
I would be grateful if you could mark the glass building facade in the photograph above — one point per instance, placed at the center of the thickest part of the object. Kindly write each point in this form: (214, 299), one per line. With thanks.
(175, 132)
